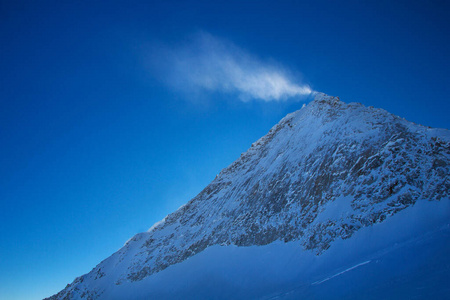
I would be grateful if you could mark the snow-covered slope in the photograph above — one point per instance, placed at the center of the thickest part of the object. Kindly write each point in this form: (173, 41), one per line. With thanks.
(319, 176)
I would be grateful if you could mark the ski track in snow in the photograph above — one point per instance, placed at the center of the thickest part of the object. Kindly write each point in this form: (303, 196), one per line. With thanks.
(340, 273)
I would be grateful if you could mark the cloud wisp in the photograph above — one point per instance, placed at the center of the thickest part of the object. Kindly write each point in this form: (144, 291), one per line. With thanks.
(207, 63)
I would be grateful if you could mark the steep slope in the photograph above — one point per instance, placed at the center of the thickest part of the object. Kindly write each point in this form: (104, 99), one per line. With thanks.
(321, 174)
(403, 257)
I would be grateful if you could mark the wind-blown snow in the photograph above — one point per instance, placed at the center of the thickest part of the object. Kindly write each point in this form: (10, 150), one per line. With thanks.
(208, 63)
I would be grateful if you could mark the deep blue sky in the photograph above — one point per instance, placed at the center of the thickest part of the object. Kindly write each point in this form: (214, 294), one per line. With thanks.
(95, 146)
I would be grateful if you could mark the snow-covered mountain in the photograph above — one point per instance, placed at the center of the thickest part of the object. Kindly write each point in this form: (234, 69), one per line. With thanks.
(329, 190)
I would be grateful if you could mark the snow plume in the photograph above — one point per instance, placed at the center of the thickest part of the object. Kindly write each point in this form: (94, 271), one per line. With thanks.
(206, 63)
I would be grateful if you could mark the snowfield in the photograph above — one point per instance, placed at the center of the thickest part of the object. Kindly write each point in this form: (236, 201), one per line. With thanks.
(405, 257)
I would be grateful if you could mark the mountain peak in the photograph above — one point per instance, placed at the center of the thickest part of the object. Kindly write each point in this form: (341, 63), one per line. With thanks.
(318, 176)
(322, 97)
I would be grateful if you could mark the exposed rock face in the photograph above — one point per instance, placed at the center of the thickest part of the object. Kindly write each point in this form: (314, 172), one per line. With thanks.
(320, 174)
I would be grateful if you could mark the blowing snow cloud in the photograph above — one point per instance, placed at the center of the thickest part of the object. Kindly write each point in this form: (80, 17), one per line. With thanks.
(207, 63)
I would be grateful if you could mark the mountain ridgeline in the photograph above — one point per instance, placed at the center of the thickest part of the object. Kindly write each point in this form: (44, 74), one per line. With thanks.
(320, 175)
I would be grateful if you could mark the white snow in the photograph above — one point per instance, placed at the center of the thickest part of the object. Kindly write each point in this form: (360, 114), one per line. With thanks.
(285, 271)
(335, 210)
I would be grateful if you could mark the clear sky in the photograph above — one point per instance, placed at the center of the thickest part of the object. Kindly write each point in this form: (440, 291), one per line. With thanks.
(113, 115)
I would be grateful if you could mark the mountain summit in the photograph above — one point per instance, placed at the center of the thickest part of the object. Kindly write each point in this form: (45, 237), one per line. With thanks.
(317, 178)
